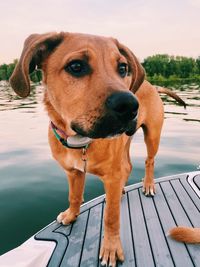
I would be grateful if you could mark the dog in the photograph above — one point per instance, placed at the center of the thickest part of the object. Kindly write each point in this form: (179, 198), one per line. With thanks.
(96, 97)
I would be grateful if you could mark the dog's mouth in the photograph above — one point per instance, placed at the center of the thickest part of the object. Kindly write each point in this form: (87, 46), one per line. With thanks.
(106, 128)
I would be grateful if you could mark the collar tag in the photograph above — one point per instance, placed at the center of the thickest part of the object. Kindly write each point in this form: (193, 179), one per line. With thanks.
(84, 158)
(78, 141)
(75, 142)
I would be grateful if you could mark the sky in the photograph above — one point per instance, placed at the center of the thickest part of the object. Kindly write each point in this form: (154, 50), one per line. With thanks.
(147, 27)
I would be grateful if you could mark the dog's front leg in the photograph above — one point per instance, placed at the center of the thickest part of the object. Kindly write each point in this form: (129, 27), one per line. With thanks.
(152, 140)
(111, 248)
(76, 181)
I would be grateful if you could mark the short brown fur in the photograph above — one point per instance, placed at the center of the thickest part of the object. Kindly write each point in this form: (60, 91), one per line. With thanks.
(68, 99)
(186, 234)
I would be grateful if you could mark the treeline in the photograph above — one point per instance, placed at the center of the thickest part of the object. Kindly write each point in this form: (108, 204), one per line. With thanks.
(159, 68)
(6, 71)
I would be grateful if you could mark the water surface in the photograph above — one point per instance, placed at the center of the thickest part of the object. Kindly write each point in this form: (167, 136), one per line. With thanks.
(33, 188)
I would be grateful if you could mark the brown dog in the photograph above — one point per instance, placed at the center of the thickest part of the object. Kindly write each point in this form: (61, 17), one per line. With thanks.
(91, 89)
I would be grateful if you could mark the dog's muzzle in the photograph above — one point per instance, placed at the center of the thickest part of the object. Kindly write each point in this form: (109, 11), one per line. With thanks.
(120, 116)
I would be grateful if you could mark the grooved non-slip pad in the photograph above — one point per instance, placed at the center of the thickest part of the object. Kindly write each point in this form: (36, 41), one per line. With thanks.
(145, 222)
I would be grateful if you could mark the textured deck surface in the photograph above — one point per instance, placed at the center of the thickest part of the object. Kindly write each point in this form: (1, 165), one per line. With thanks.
(144, 224)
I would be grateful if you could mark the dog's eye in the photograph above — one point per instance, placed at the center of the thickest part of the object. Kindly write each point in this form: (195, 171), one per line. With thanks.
(78, 68)
(123, 69)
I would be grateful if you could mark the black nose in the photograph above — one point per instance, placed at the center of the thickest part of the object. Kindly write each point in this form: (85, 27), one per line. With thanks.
(124, 104)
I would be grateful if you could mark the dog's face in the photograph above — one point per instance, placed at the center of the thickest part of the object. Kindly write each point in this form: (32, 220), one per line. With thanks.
(90, 81)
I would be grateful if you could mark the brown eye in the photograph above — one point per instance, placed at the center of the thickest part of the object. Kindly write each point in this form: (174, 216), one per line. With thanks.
(78, 68)
(123, 69)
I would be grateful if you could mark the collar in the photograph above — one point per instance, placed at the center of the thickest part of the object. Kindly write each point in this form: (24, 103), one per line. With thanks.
(64, 140)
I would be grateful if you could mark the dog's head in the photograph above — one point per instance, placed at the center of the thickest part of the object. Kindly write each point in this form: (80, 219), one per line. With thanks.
(89, 80)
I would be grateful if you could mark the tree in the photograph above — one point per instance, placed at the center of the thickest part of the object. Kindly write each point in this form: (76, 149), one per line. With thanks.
(186, 67)
(168, 66)
(198, 65)
(3, 72)
(36, 76)
(7, 70)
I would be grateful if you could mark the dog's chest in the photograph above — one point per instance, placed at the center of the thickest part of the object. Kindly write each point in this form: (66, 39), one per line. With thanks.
(90, 162)
(80, 165)
(75, 162)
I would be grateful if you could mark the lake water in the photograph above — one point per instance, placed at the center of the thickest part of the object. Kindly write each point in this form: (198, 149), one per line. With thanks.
(33, 188)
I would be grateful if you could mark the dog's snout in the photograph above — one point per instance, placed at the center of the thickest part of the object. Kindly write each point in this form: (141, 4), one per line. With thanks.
(123, 104)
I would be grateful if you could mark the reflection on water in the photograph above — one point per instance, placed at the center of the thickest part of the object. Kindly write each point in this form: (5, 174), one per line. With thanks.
(191, 120)
(33, 188)
(190, 94)
(9, 100)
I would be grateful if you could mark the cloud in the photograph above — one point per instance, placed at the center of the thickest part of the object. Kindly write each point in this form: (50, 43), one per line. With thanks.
(146, 26)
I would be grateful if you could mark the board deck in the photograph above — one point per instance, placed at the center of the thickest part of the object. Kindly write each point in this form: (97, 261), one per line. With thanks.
(145, 222)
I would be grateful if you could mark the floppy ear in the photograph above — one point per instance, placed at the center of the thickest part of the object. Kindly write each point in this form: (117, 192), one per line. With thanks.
(136, 68)
(36, 48)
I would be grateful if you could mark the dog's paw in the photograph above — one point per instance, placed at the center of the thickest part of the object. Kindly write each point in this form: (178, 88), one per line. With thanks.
(148, 188)
(111, 251)
(67, 217)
